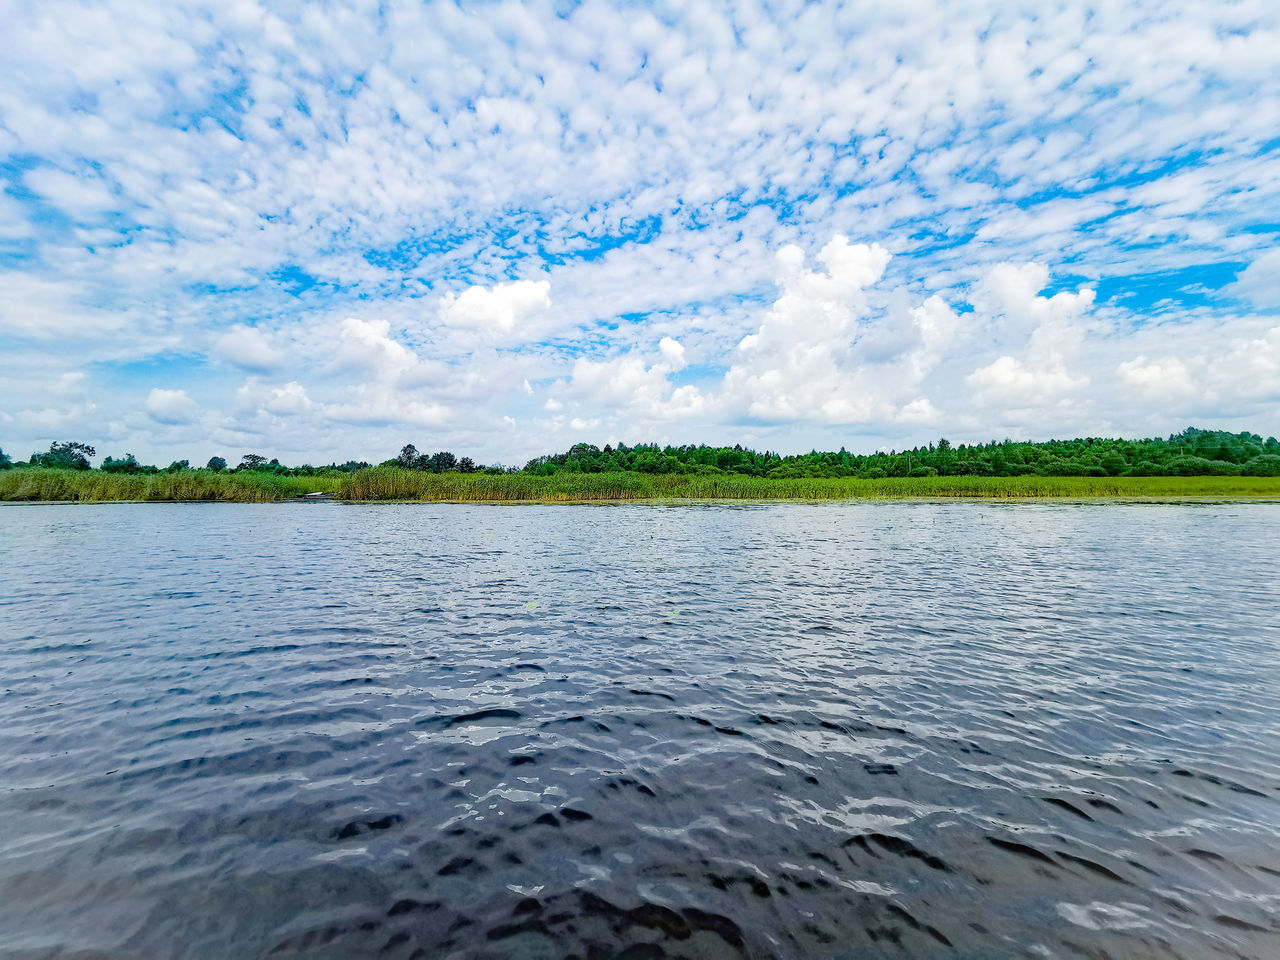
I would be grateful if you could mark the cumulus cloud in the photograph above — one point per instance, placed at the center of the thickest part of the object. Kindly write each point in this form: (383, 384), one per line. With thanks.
(635, 383)
(370, 344)
(791, 367)
(289, 399)
(496, 309)
(171, 407)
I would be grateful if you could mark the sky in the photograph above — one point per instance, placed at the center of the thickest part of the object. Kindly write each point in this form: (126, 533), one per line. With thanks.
(320, 231)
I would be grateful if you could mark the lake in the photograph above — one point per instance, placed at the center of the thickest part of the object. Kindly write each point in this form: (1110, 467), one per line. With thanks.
(705, 730)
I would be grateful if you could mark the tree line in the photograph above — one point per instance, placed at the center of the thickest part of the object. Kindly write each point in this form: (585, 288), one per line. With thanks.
(72, 455)
(1193, 452)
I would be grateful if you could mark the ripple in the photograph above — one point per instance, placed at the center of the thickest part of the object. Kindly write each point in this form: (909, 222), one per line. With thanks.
(891, 730)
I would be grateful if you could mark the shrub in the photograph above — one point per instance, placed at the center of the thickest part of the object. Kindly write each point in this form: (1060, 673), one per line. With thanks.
(1263, 465)
(1200, 467)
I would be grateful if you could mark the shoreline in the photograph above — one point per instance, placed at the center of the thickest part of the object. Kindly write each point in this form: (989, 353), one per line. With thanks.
(390, 485)
(934, 498)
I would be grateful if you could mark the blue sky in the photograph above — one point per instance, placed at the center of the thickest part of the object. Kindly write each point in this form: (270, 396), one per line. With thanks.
(323, 230)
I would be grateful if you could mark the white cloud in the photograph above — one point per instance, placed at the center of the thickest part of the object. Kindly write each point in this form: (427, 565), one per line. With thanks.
(498, 308)
(633, 383)
(373, 406)
(289, 399)
(369, 343)
(172, 407)
(1010, 381)
(804, 363)
(1162, 378)
(81, 195)
(1259, 282)
(249, 348)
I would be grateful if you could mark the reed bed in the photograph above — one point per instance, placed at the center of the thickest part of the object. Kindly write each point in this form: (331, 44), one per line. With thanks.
(92, 486)
(389, 484)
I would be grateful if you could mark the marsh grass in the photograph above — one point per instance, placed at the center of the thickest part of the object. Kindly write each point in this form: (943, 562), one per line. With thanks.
(391, 484)
(384, 483)
(92, 486)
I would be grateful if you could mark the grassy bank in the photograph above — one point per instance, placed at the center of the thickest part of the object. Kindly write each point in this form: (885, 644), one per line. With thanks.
(391, 484)
(384, 483)
(92, 486)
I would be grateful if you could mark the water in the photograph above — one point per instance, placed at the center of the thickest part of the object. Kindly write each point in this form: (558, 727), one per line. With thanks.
(877, 730)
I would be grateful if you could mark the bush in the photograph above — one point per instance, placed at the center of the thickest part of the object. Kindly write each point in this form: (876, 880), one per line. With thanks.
(1264, 465)
(922, 472)
(1200, 467)
(126, 464)
(1145, 468)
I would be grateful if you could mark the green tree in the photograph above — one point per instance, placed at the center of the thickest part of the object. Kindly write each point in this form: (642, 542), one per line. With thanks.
(251, 461)
(442, 461)
(1263, 465)
(216, 464)
(6, 461)
(126, 464)
(67, 455)
(1113, 463)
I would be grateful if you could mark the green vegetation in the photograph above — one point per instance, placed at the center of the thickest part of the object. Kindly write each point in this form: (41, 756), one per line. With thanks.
(1190, 453)
(1193, 463)
(390, 483)
(89, 486)
(65, 456)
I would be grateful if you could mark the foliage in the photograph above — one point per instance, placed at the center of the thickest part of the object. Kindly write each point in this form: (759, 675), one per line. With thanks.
(6, 461)
(1193, 452)
(126, 464)
(216, 464)
(1265, 465)
(410, 459)
(68, 455)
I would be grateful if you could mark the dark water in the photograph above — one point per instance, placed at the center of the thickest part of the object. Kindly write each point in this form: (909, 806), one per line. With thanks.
(883, 730)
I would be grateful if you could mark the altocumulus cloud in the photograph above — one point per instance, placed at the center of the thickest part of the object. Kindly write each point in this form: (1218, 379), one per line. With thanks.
(323, 230)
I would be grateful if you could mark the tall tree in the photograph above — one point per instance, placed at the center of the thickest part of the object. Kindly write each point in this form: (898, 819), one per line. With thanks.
(67, 455)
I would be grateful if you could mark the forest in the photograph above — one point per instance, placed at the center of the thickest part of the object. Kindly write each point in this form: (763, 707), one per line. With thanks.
(1193, 452)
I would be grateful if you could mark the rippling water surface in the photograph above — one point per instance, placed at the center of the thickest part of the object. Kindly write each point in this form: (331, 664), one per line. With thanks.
(876, 730)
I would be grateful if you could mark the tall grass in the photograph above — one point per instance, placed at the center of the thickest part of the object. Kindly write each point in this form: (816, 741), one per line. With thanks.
(385, 483)
(91, 486)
